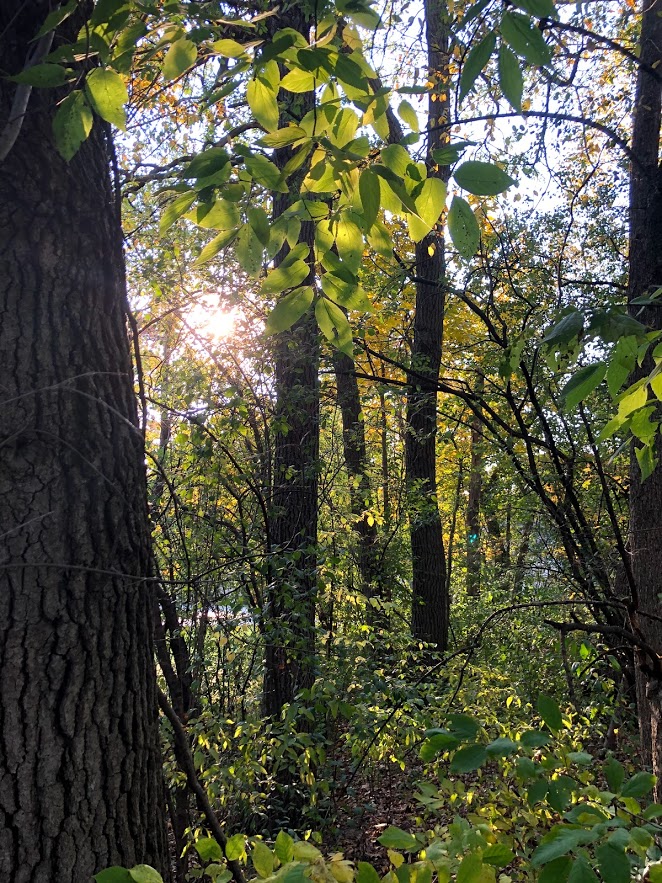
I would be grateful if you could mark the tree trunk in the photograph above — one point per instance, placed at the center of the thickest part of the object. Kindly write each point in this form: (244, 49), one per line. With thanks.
(646, 277)
(430, 607)
(356, 462)
(474, 556)
(80, 769)
(289, 615)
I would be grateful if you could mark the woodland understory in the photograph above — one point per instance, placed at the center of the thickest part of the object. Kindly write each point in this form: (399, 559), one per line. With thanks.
(371, 292)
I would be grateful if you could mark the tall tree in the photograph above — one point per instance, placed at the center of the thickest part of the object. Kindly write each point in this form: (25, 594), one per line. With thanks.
(289, 615)
(80, 772)
(430, 608)
(644, 279)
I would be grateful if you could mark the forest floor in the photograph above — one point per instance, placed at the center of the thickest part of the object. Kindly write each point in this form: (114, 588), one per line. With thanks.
(374, 800)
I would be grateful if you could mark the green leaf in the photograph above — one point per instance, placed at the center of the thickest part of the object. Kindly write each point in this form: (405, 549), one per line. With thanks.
(298, 80)
(436, 744)
(179, 58)
(72, 124)
(304, 851)
(396, 838)
(264, 172)
(369, 192)
(285, 277)
(566, 330)
(463, 227)
(220, 215)
(261, 856)
(538, 8)
(217, 244)
(284, 847)
(228, 48)
(498, 855)
(556, 871)
(55, 18)
(262, 102)
(235, 848)
(365, 873)
(248, 250)
(639, 785)
(510, 77)
(549, 712)
(535, 739)
(334, 325)
(463, 726)
(470, 870)
(259, 221)
(446, 156)
(145, 874)
(525, 39)
(429, 205)
(560, 841)
(582, 758)
(283, 137)
(654, 872)
(654, 811)
(107, 93)
(613, 863)
(469, 758)
(537, 792)
(349, 241)
(206, 163)
(482, 178)
(475, 62)
(287, 311)
(408, 115)
(582, 384)
(501, 747)
(42, 75)
(208, 849)
(113, 875)
(175, 209)
(646, 460)
(582, 872)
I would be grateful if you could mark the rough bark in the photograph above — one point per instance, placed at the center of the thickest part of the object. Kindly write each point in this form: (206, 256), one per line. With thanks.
(356, 463)
(645, 277)
(474, 555)
(80, 771)
(289, 615)
(430, 608)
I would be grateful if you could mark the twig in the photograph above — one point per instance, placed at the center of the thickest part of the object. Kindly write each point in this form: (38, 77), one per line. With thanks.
(187, 766)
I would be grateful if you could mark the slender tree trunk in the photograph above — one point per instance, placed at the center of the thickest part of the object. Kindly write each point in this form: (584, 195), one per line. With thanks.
(289, 615)
(80, 769)
(474, 555)
(646, 277)
(356, 462)
(430, 606)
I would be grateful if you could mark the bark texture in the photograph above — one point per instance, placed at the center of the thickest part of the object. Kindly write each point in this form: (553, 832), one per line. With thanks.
(646, 277)
(289, 614)
(430, 608)
(80, 771)
(356, 463)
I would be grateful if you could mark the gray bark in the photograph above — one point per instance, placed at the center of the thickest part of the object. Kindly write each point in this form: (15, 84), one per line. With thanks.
(80, 768)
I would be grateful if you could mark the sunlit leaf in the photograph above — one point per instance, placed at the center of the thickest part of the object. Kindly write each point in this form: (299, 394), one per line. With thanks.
(179, 58)
(289, 309)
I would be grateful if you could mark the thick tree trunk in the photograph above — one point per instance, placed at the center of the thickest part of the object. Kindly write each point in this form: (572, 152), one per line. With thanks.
(356, 463)
(430, 608)
(80, 770)
(646, 277)
(289, 615)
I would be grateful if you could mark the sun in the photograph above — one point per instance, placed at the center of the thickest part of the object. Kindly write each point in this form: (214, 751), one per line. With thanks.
(210, 320)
